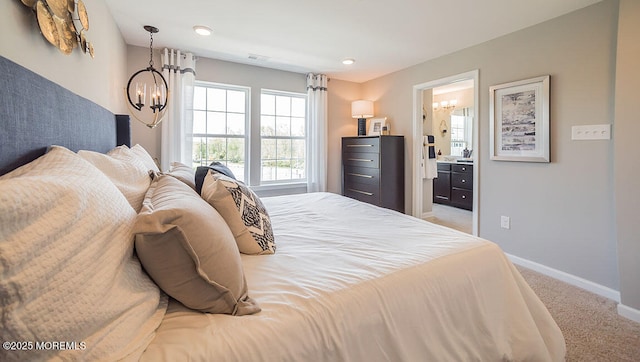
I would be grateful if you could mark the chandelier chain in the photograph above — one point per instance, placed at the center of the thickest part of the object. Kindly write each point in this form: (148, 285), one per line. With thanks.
(151, 49)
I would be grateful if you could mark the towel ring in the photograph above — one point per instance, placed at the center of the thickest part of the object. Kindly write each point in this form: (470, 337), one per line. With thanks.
(443, 127)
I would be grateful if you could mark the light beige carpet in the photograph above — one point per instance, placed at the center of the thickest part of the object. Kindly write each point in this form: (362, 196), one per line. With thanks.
(592, 328)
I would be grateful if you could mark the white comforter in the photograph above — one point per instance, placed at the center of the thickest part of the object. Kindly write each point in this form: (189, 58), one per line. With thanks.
(353, 282)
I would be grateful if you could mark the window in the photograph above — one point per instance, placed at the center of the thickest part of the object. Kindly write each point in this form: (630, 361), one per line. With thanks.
(220, 119)
(457, 135)
(223, 131)
(282, 137)
(461, 131)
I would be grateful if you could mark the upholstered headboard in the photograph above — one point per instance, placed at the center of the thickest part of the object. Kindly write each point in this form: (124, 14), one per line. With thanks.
(36, 113)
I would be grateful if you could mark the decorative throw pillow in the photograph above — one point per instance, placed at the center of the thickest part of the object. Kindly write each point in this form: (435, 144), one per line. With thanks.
(145, 157)
(243, 211)
(67, 267)
(183, 173)
(216, 167)
(189, 251)
(124, 169)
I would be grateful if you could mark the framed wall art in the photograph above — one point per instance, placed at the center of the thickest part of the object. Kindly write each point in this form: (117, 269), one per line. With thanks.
(375, 126)
(519, 113)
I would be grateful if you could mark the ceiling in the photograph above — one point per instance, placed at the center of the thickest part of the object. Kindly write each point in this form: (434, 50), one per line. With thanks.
(382, 36)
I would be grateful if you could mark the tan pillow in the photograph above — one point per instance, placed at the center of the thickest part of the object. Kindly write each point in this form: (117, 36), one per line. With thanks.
(189, 251)
(183, 173)
(243, 211)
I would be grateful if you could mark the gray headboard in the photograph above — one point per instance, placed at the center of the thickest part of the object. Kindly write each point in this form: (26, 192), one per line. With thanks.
(36, 113)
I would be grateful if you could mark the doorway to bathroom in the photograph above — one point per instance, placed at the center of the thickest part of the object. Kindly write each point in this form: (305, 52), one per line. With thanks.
(446, 119)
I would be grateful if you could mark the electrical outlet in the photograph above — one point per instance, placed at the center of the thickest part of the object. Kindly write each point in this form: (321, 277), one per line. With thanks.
(505, 222)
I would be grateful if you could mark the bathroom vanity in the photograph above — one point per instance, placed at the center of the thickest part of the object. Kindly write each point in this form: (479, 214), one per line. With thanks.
(454, 184)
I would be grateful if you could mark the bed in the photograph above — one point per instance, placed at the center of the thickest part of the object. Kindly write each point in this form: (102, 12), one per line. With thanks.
(348, 281)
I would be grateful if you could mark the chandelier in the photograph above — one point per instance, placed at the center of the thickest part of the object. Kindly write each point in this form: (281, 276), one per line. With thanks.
(148, 80)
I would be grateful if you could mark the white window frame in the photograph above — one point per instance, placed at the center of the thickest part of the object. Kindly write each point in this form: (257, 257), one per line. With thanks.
(289, 182)
(247, 122)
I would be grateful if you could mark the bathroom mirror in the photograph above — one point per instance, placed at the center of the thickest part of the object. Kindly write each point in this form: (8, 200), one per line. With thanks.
(462, 132)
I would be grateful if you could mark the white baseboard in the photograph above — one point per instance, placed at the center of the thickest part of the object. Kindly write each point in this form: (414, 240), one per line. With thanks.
(426, 215)
(623, 310)
(569, 278)
(629, 313)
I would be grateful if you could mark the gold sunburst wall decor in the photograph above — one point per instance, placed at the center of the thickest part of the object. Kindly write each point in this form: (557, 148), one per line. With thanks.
(63, 23)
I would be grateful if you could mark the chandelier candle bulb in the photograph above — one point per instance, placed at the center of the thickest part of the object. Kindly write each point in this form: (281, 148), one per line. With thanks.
(154, 97)
(141, 90)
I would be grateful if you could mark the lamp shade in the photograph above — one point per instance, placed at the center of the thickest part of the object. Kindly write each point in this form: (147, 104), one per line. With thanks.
(362, 109)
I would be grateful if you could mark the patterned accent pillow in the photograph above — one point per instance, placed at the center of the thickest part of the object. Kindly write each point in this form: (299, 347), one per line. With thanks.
(243, 211)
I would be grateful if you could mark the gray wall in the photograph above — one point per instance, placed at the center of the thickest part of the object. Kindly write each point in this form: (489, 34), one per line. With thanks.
(101, 79)
(626, 154)
(562, 213)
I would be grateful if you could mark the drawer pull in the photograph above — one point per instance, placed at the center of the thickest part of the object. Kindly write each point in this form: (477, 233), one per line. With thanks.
(463, 181)
(464, 196)
(359, 159)
(359, 175)
(362, 192)
(359, 145)
(464, 168)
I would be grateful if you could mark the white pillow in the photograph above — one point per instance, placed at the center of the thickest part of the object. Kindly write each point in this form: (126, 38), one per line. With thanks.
(125, 170)
(67, 267)
(145, 157)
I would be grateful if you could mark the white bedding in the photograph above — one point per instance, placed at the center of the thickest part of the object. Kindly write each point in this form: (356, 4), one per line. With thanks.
(353, 282)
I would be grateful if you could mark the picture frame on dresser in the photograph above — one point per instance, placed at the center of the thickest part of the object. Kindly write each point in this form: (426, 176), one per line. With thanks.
(375, 126)
(519, 127)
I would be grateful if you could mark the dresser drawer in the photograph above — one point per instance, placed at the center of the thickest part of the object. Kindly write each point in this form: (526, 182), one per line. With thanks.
(363, 192)
(462, 168)
(363, 175)
(462, 198)
(370, 163)
(361, 159)
(462, 180)
(350, 145)
(444, 166)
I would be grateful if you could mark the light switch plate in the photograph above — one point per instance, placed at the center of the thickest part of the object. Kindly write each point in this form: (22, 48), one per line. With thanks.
(591, 132)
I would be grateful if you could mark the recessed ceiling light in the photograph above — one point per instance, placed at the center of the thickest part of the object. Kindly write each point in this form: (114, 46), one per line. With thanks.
(202, 30)
(348, 61)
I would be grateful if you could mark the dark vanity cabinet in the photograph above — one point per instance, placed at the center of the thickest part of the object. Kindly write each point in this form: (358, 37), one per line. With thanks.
(442, 184)
(454, 185)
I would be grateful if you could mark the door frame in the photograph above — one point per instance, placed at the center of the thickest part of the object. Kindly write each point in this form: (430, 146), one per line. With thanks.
(417, 182)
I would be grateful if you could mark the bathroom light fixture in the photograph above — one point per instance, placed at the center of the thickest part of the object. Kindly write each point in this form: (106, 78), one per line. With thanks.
(362, 110)
(158, 90)
(202, 30)
(348, 61)
(445, 105)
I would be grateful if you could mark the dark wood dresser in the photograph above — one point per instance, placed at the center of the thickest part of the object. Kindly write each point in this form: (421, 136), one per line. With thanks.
(454, 185)
(373, 170)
